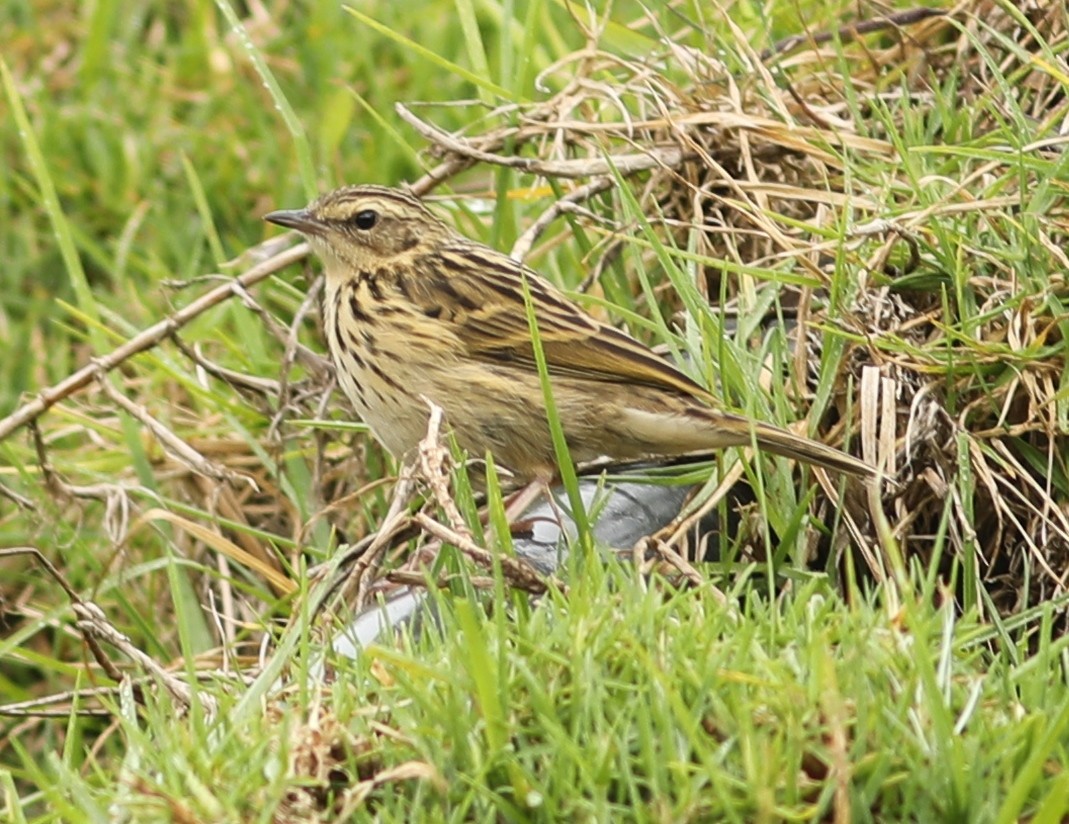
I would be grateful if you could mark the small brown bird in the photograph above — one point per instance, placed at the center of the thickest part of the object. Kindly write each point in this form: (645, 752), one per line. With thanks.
(412, 308)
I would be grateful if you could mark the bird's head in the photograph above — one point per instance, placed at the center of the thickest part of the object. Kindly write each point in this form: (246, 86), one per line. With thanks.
(364, 228)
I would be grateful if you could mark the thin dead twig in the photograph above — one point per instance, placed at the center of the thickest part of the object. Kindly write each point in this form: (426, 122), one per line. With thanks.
(654, 157)
(150, 337)
(64, 703)
(852, 31)
(19, 500)
(523, 244)
(433, 462)
(93, 623)
(175, 446)
(669, 554)
(294, 350)
(320, 366)
(95, 627)
(357, 584)
(115, 497)
(520, 574)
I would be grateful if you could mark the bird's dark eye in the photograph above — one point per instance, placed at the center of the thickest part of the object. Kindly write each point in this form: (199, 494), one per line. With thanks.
(366, 219)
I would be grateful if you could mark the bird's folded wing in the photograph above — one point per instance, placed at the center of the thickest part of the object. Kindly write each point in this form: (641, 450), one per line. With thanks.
(574, 344)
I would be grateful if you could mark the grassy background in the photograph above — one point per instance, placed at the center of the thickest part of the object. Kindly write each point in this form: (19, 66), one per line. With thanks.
(622, 699)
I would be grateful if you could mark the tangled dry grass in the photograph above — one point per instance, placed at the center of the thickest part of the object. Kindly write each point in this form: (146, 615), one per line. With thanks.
(789, 191)
(765, 165)
(765, 168)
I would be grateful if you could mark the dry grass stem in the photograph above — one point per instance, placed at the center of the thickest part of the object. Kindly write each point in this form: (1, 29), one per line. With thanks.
(777, 192)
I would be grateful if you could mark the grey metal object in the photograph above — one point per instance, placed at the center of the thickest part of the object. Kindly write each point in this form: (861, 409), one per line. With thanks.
(621, 515)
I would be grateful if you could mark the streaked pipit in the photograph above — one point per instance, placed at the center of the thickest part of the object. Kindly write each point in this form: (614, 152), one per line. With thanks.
(413, 308)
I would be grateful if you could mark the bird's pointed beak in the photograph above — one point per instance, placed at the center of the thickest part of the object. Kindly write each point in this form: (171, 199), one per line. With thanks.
(300, 219)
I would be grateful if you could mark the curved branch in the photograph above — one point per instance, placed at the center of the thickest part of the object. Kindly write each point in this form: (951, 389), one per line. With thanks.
(49, 397)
